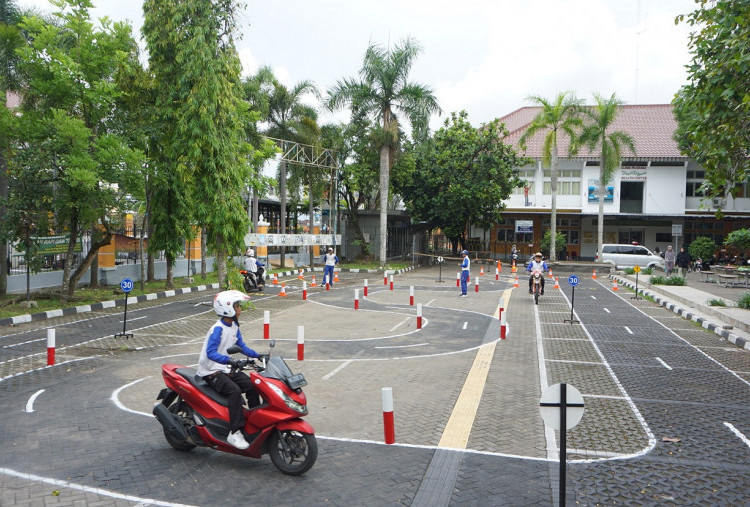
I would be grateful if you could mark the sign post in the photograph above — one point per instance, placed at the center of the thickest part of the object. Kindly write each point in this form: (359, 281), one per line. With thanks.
(637, 270)
(440, 272)
(561, 406)
(126, 285)
(573, 281)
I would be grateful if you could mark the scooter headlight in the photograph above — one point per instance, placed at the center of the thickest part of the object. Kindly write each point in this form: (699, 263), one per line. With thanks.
(297, 407)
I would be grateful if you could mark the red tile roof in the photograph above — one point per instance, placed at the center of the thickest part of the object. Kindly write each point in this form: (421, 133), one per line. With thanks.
(650, 126)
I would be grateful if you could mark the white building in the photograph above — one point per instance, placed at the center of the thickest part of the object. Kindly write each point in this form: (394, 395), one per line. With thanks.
(654, 189)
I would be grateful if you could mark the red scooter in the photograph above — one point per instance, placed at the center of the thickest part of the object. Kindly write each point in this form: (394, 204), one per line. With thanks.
(193, 414)
(536, 285)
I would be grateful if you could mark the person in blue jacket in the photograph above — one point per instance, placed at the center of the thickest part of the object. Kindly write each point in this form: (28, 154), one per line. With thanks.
(465, 267)
(215, 365)
(536, 263)
(330, 260)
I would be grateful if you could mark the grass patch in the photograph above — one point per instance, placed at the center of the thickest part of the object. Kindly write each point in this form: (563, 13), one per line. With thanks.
(664, 280)
(717, 302)
(644, 271)
(744, 301)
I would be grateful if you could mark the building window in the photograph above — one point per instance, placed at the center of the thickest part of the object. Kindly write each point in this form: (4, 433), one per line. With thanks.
(568, 182)
(693, 182)
(527, 176)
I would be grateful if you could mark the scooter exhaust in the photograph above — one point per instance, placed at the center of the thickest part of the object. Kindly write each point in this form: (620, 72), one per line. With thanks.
(170, 422)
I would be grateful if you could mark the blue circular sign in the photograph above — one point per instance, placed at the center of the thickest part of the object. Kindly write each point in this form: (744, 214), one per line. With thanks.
(126, 284)
(573, 280)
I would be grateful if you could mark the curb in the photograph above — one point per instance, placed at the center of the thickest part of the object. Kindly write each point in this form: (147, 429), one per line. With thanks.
(49, 314)
(705, 323)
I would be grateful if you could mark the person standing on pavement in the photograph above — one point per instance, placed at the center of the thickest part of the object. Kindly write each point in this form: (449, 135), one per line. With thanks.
(465, 267)
(683, 262)
(215, 366)
(330, 260)
(669, 259)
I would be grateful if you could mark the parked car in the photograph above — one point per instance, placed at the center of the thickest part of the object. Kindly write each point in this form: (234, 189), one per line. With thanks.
(628, 256)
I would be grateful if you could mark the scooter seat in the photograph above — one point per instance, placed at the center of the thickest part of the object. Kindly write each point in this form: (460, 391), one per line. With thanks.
(203, 386)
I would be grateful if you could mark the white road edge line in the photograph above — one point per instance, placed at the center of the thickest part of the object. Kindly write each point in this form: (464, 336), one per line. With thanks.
(465, 325)
(30, 403)
(407, 319)
(116, 398)
(738, 433)
(403, 346)
(341, 366)
(628, 329)
(663, 363)
(606, 310)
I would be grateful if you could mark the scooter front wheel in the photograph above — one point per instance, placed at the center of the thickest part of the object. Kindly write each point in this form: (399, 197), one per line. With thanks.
(292, 452)
(536, 297)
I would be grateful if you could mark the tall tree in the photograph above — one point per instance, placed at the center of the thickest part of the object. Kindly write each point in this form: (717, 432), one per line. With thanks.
(460, 177)
(10, 40)
(382, 91)
(563, 116)
(597, 136)
(713, 109)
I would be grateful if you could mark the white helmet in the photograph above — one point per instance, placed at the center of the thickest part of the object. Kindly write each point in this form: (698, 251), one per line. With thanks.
(249, 252)
(224, 302)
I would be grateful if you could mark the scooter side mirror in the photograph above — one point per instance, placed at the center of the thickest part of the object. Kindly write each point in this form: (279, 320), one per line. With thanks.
(272, 343)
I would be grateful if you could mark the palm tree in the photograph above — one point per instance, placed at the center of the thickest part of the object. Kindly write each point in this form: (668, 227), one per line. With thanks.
(564, 114)
(610, 144)
(383, 90)
(11, 38)
(287, 119)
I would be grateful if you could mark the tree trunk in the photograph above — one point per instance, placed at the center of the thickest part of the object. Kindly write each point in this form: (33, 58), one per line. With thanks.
(85, 264)
(600, 222)
(553, 214)
(221, 262)
(282, 211)
(312, 223)
(3, 212)
(384, 175)
(150, 268)
(203, 253)
(169, 284)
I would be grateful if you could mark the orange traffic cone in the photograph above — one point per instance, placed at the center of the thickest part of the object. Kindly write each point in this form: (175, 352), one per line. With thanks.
(481, 271)
(499, 267)
(614, 287)
(313, 284)
(301, 275)
(335, 276)
(275, 279)
(515, 283)
(557, 284)
(283, 290)
(593, 275)
(550, 274)
(513, 269)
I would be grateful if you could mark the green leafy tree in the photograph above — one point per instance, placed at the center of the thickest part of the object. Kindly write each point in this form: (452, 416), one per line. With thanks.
(702, 247)
(70, 67)
(563, 116)
(597, 135)
(461, 176)
(547, 244)
(382, 91)
(713, 109)
(739, 239)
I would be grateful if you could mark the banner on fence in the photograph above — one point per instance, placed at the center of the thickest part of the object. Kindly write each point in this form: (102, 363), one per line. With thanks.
(254, 239)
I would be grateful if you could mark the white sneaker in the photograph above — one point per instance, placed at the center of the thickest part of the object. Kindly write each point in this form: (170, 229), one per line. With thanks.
(237, 440)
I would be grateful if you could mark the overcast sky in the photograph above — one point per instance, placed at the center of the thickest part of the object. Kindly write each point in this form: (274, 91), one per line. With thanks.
(485, 56)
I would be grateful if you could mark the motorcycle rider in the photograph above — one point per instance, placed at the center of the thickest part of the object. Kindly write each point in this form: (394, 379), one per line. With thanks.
(536, 263)
(214, 363)
(254, 266)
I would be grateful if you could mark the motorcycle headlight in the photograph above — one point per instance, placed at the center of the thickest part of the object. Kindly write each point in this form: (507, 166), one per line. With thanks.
(297, 407)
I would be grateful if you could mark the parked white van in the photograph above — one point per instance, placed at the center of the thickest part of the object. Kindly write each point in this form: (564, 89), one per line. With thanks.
(628, 256)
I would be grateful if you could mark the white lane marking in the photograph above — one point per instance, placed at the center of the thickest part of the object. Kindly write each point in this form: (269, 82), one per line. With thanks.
(606, 310)
(116, 397)
(628, 329)
(404, 346)
(663, 363)
(429, 302)
(87, 489)
(24, 343)
(30, 403)
(593, 297)
(465, 325)
(341, 366)
(137, 318)
(549, 433)
(399, 324)
(738, 433)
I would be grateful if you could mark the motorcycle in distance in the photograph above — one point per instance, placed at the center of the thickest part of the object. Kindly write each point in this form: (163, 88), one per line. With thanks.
(253, 281)
(536, 285)
(193, 414)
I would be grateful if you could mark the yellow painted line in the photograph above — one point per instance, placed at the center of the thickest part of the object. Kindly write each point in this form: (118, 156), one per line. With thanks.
(457, 431)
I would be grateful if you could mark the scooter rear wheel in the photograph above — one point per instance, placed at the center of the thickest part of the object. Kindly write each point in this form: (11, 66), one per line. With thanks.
(292, 452)
(181, 410)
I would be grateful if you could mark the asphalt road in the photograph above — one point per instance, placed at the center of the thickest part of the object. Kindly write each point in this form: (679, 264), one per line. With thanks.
(666, 421)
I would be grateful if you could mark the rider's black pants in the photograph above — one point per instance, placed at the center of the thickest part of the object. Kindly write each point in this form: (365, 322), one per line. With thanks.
(531, 282)
(232, 385)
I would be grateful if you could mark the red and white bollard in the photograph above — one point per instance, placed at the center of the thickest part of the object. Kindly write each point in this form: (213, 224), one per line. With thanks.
(411, 295)
(419, 316)
(266, 325)
(497, 274)
(300, 343)
(503, 326)
(391, 282)
(328, 284)
(385, 277)
(458, 279)
(389, 429)
(304, 291)
(476, 284)
(365, 287)
(356, 299)
(50, 347)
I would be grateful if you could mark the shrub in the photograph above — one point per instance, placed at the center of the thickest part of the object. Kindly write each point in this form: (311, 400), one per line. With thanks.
(702, 247)
(717, 302)
(671, 280)
(644, 271)
(744, 301)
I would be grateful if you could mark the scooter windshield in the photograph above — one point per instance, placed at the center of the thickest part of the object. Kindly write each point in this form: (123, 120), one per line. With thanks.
(277, 368)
